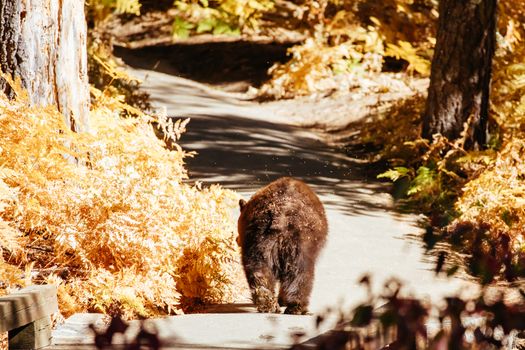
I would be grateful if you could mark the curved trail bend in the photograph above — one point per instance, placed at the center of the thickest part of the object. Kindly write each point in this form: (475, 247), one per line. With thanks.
(244, 145)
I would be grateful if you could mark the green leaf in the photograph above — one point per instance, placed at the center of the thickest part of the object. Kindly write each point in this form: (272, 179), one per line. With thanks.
(395, 174)
(222, 27)
(206, 25)
(181, 28)
(425, 180)
(204, 3)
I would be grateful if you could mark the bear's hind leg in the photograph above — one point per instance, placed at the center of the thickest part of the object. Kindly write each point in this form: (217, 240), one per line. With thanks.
(262, 286)
(295, 291)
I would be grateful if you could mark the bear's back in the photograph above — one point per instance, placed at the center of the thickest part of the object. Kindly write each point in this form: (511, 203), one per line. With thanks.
(289, 208)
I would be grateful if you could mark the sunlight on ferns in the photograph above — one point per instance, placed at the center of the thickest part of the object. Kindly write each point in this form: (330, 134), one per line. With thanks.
(108, 216)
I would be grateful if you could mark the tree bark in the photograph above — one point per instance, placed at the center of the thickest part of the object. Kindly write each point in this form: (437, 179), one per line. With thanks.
(458, 94)
(44, 43)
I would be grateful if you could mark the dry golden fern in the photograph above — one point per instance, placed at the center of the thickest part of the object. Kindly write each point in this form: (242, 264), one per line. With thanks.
(497, 196)
(405, 50)
(110, 210)
(314, 65)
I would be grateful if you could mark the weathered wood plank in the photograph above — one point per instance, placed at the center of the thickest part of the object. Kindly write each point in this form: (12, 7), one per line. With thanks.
(27, 305)
(34, 335)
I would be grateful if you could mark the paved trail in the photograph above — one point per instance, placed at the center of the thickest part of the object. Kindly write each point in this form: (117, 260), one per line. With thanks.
(244, 146)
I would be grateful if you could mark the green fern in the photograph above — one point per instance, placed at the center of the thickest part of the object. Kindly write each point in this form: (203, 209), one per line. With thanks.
(425, 181)
(395, 174)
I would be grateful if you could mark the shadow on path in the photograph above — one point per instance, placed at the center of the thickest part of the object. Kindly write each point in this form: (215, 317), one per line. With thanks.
(211, 63)
(244, 154)
(241, 145)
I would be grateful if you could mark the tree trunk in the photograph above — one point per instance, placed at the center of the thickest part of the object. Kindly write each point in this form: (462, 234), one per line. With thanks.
(44, 43)
(458, 94)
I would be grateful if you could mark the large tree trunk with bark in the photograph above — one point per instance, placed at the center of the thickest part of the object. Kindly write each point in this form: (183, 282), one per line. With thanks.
(44, 43)
(458, 94)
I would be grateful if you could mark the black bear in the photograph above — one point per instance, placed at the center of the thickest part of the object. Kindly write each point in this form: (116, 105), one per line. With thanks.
(282, 229)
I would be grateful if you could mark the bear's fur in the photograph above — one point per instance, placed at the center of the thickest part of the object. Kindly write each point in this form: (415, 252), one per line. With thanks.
(282, 229)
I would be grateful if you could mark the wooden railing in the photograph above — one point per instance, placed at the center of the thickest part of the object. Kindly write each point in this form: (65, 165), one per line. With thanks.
(26, 316)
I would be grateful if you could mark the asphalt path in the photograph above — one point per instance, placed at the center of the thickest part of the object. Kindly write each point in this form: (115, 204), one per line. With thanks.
(243, 145)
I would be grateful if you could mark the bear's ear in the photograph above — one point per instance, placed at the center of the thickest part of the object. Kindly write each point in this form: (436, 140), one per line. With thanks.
(242, 203)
